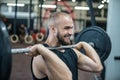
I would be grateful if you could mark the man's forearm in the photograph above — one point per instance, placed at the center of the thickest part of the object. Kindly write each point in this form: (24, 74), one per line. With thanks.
(55, 64)
(90, 52)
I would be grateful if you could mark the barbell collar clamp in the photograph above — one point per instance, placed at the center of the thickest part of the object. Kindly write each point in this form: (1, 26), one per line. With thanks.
(92, 44)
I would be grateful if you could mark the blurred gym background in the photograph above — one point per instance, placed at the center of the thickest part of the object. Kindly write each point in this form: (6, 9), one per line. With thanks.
(26, 23)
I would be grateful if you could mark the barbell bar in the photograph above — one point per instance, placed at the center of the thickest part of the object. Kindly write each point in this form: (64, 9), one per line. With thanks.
(26, 50)
(94, 35)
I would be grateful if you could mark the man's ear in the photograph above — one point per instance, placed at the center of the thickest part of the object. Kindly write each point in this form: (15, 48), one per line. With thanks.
(53, 28)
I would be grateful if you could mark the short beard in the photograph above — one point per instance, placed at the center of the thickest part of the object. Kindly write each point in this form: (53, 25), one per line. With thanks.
(61, 41)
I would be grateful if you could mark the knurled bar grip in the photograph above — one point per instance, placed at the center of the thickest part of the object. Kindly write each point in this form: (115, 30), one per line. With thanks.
(20, 50)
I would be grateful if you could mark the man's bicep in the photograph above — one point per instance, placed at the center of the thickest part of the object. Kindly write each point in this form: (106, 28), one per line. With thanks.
(84, 62)
(38, 67)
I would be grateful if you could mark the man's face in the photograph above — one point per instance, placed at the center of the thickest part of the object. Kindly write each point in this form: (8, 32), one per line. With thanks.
(65, 31)
(64, 39)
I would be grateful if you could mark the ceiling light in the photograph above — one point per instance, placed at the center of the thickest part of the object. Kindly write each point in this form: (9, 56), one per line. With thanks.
(12, 4)
(81, 8)
(48, 6)
(73, 0)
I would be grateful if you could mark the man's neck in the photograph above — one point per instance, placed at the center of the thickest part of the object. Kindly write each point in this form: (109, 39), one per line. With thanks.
(52, 42)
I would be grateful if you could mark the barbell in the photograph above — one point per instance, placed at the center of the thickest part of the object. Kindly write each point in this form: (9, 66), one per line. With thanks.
(94, 35)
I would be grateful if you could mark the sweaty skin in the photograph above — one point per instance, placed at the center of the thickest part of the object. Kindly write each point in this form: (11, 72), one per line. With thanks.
(47, 64)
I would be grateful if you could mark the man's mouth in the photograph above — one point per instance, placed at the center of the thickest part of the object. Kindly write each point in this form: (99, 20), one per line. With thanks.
(68, 36)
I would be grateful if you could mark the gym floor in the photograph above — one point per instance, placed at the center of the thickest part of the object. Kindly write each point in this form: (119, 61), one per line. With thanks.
(21, 67)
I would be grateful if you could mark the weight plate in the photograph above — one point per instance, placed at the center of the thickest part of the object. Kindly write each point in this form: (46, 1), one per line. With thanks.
(99, 37)
(5, 53)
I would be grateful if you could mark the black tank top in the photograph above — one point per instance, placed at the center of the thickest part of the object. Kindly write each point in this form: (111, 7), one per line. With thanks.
(69, 57)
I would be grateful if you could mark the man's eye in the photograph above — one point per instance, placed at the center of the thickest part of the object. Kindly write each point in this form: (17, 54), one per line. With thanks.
(68, 27)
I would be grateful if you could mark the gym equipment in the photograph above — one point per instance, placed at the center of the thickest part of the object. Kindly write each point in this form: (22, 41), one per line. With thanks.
(98, 39)
(5, 55)
(28, 37)
(39, 37)
(95, 36)
(14, 37)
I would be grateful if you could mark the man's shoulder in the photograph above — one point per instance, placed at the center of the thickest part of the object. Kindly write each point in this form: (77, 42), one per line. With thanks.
(38, 59)
(39, 62)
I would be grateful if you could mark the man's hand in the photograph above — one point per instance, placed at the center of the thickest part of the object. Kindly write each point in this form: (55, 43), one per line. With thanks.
(78, 46)
(34, 50)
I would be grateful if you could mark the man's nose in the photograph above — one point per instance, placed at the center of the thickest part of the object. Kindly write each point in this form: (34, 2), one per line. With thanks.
(71, 31)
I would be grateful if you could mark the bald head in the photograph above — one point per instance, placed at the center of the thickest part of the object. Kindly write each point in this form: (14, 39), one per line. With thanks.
(57, 17)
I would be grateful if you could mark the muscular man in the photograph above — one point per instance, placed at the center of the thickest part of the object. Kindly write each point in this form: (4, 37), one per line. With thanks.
(62, 64)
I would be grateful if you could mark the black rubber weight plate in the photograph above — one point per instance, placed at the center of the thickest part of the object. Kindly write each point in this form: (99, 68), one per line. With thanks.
(5, 54)
(100, 39)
